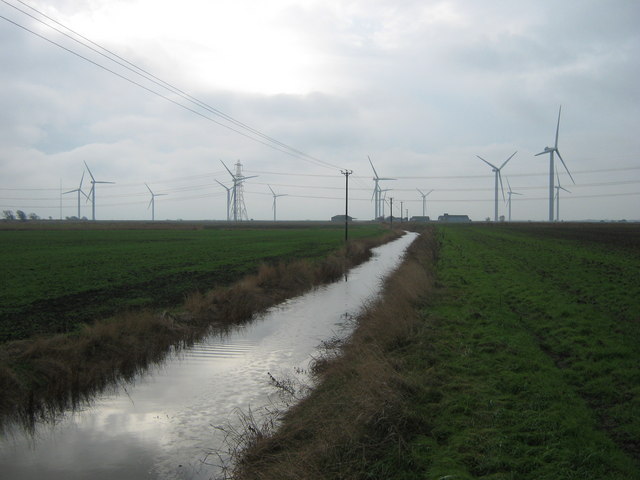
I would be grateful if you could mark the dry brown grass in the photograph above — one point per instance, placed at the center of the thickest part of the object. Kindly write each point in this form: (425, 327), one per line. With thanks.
(356, 411)
(274, 283)
(41, 376)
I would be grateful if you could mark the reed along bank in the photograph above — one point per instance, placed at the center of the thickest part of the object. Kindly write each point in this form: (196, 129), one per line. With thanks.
(496, 352)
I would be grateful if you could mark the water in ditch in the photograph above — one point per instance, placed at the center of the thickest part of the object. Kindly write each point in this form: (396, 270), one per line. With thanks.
(163, 425)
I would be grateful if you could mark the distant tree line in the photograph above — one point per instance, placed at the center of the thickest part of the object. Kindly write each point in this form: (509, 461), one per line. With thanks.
(19, 215)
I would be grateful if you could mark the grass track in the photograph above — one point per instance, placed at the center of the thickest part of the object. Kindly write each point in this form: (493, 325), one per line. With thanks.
(55, 279)
(535, 347)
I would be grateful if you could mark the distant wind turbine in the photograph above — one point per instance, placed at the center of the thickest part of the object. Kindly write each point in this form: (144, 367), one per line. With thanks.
(383, 200)
(152, 203)
(551, 151)
(376, 190)
(228, 189)
(424, 201)
(274, 200)
(498, 178)
(92, 192)
(79, 190)
(509, 193)
(558, 188)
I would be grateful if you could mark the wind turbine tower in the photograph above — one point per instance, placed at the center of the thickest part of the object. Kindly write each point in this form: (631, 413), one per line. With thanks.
(558, 188)
(424, 201)
(79, 190)
(551, 151)
(152, 203)
(377, 198)
(497, 170)
(228, 189)
(92, 192)
(239, 209)
(274, 200)
(509, 193)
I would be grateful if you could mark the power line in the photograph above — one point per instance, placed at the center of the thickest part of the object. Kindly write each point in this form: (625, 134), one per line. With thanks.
(537, 174)
(274, 143)
(204, 186)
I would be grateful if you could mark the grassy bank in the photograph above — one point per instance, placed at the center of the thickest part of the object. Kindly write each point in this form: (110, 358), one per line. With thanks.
(520, 361)
(44, 375)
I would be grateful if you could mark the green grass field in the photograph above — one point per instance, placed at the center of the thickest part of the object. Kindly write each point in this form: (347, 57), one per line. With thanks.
(55, 279)
(528, 366)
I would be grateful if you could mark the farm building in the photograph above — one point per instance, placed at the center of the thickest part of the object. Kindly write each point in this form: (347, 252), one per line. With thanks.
(454, 218)
(341, 218)
(420, 218)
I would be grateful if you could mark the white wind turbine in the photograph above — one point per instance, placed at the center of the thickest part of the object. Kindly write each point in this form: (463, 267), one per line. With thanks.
(274, 200)
(424, 201)
(551, 151)
(509, 193)
(152, 203)
(558, 188)
(79, 190)
(92, 192)
(376, 190)
(498, 178)
(228, 189)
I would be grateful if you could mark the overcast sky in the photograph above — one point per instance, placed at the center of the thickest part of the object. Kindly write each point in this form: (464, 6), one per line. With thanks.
(421, 87)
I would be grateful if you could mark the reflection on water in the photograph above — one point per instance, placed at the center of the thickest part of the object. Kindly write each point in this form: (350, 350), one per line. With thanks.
(163, 425)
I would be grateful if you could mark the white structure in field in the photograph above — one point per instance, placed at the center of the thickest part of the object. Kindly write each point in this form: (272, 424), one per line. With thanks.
(552, 172)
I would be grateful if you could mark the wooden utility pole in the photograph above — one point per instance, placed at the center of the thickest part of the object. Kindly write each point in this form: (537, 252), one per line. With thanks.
(346, 174)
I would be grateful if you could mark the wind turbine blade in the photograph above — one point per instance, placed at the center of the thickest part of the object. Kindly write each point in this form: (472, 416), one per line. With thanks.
(565, 166)
(558, 126)
(150, 202)
(565, 189)
(273, 193)
(387, 178)
(90, 192)
(501, 186)
(223, 185)
(81, 179)
(70, 191)
(374, 169)
(429, 192)
(491, 165)
(505, 162)
(232, 175)
(541, 153)
(508, 185)
(89, 170)
(421, 192)
(149, 189)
